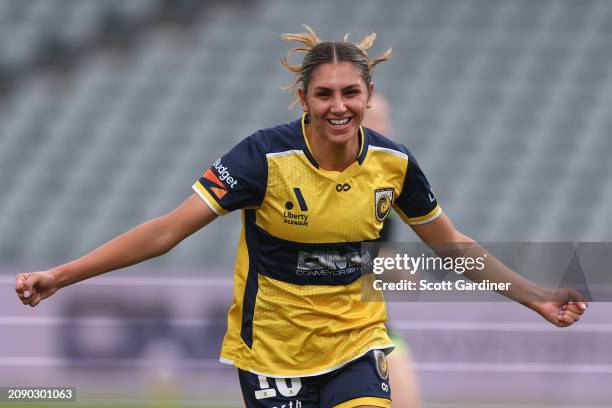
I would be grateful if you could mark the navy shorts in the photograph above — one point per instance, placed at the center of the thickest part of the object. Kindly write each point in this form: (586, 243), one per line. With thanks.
(364, 381)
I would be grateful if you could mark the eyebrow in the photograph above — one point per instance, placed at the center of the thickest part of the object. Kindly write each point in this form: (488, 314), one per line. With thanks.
(346, 88)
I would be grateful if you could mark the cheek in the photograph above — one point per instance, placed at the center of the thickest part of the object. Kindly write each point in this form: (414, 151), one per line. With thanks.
(318, 108)
(359, 106)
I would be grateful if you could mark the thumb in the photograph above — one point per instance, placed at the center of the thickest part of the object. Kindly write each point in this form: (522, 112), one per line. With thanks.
(577, 298)
(29, 284)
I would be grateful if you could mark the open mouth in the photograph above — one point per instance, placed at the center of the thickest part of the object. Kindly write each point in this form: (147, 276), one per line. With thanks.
(339, 122)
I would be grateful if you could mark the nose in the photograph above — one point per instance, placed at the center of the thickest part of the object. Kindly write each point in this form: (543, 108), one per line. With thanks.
(338, 105)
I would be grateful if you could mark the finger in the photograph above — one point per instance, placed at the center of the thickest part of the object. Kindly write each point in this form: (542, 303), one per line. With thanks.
(572, 296)
(574, 308)
(561, 322)
(565, 318)
(31, 300)
(582, 304)
(575, 316)
(19, 280)
(28, 300)
(35, 301)
(29, 285)
(577, 297)
(29, 282)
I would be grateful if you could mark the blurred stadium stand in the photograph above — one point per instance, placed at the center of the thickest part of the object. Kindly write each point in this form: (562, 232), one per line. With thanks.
(506, 105)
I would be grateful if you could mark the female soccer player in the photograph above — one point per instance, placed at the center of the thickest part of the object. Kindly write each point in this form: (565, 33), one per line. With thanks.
(311, 192)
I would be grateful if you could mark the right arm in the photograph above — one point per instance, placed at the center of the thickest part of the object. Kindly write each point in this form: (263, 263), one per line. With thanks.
(148, 240)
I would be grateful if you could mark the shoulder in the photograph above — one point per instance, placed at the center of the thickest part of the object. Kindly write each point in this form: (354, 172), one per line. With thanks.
(384, 145)
(277, 139)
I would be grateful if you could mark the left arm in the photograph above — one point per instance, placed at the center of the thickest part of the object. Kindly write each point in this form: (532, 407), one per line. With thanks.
(565, 305)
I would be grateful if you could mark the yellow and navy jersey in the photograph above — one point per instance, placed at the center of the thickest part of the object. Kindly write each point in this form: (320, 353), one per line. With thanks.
(297, 308)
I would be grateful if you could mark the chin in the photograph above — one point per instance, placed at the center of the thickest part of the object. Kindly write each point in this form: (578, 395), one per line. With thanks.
(342, 137)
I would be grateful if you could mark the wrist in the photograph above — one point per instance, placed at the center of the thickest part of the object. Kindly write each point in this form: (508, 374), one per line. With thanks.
(536, 298)
(59, 277)
(531, 304)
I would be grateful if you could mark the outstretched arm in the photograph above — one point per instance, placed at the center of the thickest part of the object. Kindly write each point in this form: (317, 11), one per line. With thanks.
(562, 307)
(148, 240)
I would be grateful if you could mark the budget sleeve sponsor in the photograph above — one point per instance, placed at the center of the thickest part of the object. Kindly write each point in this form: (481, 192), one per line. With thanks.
(236, 180)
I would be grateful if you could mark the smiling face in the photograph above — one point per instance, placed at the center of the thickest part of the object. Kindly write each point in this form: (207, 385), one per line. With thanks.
(336, 99)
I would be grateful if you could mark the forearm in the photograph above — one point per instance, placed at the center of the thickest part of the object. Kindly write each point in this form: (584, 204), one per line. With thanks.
(146, 241)
(519, 289)
(557, 306)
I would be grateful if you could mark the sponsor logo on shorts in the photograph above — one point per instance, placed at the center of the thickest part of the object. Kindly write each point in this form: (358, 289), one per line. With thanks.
(263, 394)
(383, 199)
(290, 404)
(381, 364)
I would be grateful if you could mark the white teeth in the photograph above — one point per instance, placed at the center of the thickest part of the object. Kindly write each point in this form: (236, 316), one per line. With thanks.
(339, 122)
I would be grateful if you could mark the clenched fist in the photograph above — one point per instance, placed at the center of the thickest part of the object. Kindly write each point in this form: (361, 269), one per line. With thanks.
(34, 287)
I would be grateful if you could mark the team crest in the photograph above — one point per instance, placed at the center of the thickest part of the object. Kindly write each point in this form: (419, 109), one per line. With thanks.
(381, 364)
(383, 199)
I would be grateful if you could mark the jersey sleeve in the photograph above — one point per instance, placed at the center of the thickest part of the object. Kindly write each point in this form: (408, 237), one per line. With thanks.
(236, 180)
(416, 203)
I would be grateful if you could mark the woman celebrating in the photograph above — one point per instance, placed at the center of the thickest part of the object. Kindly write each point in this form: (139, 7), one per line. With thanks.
(310, 192)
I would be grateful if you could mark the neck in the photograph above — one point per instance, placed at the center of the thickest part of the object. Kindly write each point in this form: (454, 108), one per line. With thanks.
(333, 156)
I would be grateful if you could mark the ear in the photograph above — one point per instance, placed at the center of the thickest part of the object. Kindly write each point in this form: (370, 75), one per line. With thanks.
(370, 93)
(302, 97)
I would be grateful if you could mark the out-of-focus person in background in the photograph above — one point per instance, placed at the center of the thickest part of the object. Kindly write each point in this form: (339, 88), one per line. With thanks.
(378, 116)
(402, 374)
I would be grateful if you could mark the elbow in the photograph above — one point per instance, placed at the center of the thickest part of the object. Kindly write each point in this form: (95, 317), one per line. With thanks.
(457, 243)
(164, 247)
(165, 237)
(459, 237)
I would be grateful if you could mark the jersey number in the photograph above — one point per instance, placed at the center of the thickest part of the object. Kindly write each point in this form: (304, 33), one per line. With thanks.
(281, 384)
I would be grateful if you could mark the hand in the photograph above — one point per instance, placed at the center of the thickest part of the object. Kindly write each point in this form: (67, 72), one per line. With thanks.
(564, 309)
(34, 287)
